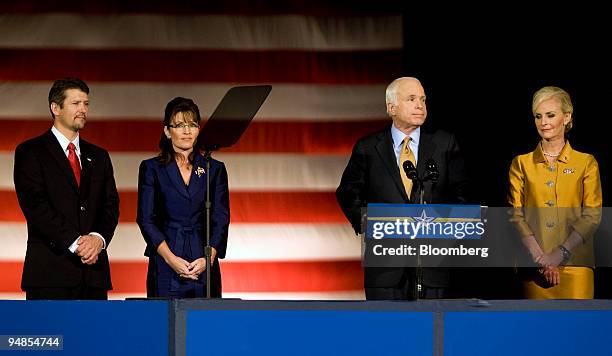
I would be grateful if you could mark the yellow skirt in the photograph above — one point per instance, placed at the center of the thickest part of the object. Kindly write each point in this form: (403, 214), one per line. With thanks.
(575, 283)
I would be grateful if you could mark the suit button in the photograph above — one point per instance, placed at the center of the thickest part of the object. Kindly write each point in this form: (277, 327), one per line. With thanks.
(550, 183)
(551, 168)
(82, 208)
(550, 224)
(550, 203)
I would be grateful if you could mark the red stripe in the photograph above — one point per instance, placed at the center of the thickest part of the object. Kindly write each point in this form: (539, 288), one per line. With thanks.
(129, 277)
(10, 276)
(317, 276)
(242, 7)
(285, 207)
(337, 137)
(246, 207)
(314, 276)
(10, 211)
(201, 66)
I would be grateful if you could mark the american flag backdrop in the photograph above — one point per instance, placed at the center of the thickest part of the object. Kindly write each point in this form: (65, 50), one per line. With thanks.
(328, 67)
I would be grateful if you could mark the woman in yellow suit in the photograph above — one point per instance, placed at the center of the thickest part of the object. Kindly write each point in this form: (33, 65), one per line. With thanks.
(557, 193)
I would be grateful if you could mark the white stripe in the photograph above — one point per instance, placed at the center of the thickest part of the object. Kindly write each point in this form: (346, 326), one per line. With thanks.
(200, 32)
(246, 242)
(264, 242)
(148, 100)
(246, 172)
(13, 237)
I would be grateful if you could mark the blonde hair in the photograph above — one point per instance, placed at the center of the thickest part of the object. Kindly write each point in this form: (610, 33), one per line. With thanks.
(560, 95)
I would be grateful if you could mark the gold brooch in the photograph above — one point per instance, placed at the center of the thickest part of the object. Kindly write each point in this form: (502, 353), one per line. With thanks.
(568, 170)
(199, 171)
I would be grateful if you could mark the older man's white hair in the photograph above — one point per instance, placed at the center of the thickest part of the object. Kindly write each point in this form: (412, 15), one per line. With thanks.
(391, 92)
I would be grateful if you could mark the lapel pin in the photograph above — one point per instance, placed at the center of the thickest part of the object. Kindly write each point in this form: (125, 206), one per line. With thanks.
(568, 170)
(199, 171)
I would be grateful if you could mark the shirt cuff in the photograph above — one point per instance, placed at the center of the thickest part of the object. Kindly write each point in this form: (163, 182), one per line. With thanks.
(74, 245)
(100, 236)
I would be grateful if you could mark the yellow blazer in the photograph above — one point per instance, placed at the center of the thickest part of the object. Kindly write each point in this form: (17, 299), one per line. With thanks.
(552, 200)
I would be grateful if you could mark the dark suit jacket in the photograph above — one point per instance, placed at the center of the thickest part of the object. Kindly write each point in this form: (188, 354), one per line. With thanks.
(169, 211)
(372, 176)
(57, 211)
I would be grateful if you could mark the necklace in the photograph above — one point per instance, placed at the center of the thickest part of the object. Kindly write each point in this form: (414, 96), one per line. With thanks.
(550, 154)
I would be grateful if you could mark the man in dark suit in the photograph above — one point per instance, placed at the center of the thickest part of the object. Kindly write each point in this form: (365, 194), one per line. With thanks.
(374, 175)
(68, 196)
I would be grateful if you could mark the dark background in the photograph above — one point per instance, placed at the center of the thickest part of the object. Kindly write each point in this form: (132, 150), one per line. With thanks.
(480, 66)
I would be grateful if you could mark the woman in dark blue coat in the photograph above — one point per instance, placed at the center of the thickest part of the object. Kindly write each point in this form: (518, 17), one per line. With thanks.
(171, 209)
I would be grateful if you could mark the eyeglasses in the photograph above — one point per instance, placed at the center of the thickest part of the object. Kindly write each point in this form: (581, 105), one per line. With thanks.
(182, 125)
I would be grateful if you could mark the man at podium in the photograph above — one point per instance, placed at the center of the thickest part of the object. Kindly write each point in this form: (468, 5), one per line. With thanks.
(375, 174)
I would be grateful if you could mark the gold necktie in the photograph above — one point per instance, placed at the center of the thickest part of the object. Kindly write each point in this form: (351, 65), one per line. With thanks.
(406, 155)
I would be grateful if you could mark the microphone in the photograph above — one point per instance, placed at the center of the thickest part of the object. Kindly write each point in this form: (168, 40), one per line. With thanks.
(411, 171)
(431, 171)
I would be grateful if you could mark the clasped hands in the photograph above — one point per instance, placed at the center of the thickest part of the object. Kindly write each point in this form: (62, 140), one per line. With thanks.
(549, 262)
(551, 259)
(89, 247)
(191, 270)
(550, 265)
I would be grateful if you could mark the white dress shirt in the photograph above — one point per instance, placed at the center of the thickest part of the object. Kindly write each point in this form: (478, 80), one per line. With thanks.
(398, 139)
(64, 142)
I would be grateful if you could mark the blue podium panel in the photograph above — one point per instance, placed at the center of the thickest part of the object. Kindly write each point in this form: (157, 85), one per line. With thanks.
(539, 333)
(308, 332)
(90, 327)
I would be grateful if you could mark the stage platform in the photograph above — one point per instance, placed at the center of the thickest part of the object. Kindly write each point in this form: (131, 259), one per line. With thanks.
(237, 327)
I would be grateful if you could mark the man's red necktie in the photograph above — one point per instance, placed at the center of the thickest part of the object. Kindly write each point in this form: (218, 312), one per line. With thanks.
(74, 162)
